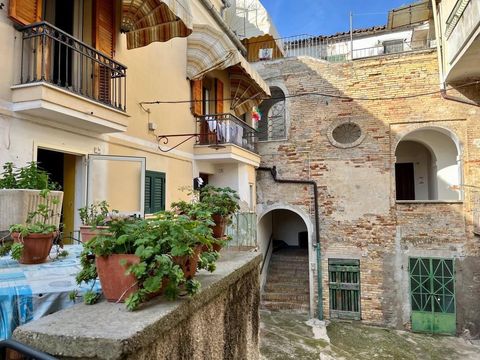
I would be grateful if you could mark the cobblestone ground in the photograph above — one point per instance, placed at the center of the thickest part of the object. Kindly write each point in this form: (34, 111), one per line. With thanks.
(291, 336)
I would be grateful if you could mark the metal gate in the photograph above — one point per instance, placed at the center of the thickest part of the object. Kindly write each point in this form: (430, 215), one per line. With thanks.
(432, 294)
(344, 286)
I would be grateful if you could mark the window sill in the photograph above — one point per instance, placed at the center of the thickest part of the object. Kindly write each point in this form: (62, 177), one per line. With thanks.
(429, 201)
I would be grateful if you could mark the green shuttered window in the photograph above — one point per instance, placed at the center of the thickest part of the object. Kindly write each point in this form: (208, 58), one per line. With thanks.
(154, 191)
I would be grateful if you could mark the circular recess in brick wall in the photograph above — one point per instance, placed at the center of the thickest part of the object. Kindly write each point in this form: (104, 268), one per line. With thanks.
(345, 134)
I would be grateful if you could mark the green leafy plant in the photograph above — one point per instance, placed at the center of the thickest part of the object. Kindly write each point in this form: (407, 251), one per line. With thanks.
(90, 297)
(16, 251)
(157, 242)
(27, 177)
(220, 201)
(97, 214)
(37, 221)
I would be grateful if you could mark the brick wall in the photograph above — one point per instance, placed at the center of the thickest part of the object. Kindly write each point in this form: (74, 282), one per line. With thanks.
(359, 216)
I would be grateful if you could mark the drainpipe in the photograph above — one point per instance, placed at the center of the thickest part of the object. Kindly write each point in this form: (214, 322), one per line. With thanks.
(211, 9)
(438, 36)
(273, 172)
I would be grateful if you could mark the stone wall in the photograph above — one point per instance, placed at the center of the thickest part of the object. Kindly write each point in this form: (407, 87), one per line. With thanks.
(221, 322)
(359, 215)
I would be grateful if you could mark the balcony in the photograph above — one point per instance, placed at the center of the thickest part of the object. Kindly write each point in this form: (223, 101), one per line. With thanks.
(67, 81)
(462, 34)
(225, 138)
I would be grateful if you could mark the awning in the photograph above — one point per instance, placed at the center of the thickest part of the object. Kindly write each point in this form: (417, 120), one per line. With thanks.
(209, 49)
(146, 21)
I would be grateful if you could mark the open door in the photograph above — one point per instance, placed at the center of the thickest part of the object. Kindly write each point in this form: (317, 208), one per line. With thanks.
(120, 180)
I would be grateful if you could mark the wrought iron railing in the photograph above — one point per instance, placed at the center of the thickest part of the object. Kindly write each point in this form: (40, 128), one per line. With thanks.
(243, 230)
(53, 56)
(218, 130)
(332, 50)
(11, 349)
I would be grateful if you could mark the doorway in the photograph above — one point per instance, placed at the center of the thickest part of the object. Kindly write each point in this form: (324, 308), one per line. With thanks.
(405, 181)
(432, 295)
(62, 168)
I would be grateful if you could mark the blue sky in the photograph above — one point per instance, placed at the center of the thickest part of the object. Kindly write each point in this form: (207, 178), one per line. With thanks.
(324, 17)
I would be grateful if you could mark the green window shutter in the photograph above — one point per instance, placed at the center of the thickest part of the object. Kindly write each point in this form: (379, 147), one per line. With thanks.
(154, 192)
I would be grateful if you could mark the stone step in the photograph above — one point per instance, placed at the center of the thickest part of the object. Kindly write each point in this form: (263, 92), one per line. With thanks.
(275, 305)
(286, 266)
(286, 287)
(291, 278)
(286, 297)
(289, 259)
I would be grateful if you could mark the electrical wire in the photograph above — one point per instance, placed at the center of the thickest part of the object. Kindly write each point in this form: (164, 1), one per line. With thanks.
(314, 93)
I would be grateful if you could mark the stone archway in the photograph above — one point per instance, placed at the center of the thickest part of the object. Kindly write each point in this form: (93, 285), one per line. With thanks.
(289, 224)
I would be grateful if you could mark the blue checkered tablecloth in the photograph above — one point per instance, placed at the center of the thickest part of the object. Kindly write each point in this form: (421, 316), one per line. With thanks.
(28, 292)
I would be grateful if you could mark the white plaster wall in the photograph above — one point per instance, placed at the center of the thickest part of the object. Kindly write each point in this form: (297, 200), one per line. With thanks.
(264, 230)
(287, 225)
(446, 154)
(419, 155)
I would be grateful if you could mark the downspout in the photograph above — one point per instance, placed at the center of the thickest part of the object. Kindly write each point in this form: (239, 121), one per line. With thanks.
(273, 172)
(211, 9)
(438, 36)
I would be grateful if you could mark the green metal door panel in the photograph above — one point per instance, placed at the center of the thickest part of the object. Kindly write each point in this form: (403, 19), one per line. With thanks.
(432, 295)
(444, 324)
(422, 321)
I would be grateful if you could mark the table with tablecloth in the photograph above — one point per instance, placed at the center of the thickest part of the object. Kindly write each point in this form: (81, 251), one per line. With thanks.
(28, 292)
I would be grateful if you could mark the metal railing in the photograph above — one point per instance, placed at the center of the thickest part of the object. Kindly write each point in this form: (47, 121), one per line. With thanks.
(243, 230)
(332, 50)
(53, 56)
(217, 130)
(11, 349)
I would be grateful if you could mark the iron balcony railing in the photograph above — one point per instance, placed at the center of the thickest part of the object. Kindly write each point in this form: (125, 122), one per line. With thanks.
(332, 50)
(218, 130)
(51, 55)
(11, 349)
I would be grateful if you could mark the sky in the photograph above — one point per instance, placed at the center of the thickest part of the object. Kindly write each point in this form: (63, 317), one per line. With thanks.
(325, 17)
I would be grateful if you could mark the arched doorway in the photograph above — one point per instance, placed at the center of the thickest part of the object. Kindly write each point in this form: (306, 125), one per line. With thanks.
(428, 166)
(272, 126)
(285, 240)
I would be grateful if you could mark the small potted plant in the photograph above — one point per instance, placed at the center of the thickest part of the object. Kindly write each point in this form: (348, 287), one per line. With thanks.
(33, 240)
(20, 192)
(141, 258)
(94, 219)
(222, 203)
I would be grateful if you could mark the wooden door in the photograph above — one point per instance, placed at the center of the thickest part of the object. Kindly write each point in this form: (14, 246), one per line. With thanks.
(104, 41)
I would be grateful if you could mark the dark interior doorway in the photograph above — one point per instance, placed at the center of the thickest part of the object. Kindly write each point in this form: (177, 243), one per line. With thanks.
(60, 13)
(62, 170)
(405, 181)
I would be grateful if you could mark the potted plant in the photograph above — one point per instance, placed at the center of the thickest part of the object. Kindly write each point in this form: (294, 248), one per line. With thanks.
(94, 219)
(34, 239)
(20, 193)
(141, 258)
(222, 203)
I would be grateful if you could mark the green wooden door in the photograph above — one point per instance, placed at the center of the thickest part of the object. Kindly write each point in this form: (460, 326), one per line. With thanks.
(432, 293)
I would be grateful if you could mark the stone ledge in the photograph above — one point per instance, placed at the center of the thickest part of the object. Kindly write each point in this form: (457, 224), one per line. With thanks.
(109, 331)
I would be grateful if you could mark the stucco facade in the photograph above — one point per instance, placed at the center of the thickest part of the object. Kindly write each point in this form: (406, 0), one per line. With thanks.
(44, 116)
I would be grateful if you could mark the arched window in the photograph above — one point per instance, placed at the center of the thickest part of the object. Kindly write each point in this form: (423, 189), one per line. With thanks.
(272, 125)
(427, 166)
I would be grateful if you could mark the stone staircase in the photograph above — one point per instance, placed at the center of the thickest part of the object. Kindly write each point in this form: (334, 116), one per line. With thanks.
(286, 287)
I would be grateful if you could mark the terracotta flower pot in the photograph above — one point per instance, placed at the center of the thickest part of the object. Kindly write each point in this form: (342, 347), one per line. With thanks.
(116, 285)
(220, 226)
(88, 233)
(189, 264)
(36, 247)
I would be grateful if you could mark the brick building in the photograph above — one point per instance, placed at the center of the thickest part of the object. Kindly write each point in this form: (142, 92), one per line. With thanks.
(397, 180)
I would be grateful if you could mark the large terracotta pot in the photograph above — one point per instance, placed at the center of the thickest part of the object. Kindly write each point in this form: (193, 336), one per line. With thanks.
(189, 264)
(220, 226)
(88, 233)
(116, 285)
(36, 247)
